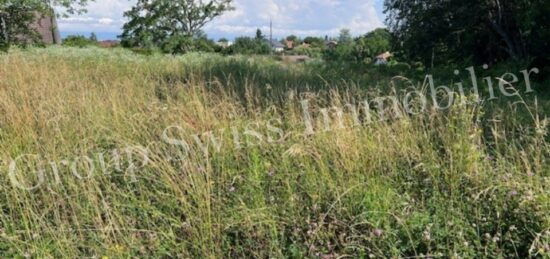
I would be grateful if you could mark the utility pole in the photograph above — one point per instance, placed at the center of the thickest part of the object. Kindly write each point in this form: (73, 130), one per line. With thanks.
(270, 37)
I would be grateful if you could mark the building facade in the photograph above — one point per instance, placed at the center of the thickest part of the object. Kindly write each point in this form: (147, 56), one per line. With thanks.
(46, 26)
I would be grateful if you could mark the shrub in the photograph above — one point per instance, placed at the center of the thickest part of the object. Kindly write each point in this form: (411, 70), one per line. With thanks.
(78, 41)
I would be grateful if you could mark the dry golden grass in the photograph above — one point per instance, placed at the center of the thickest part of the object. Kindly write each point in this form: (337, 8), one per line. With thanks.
(458, 183)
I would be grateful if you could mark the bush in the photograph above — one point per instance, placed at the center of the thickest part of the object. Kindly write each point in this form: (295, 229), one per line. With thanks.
(248, 46)
(311, 51)
(78, 41)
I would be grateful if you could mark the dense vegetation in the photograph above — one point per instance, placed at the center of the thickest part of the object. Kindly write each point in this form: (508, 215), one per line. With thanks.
(486, 31)
(16, 15)
(470, 181)
(224, 151)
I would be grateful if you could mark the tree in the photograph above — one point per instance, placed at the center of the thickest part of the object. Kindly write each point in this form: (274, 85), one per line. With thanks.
(157, 22)
(292, 38)
(439, 32)
(359, 51)
(248, 46)
(16, 15)
(314, 41)
(77, 41)
(372, 44)
(259, 35)
(93, 37)
(345, 36)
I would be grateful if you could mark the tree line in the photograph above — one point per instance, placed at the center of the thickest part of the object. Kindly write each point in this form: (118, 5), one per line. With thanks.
(434, 32)
(482, 31)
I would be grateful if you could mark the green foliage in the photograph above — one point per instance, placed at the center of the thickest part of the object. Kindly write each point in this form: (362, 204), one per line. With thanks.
(361, 50)
(345, 36)
(294, 39)
(259, 35)
(315, 42)
(177, 44)
(17, 15)
(169, 24)
(314, 52)
(343, 53)
(443, 32)
(78, 41)
(93, 37)
(372, 44)
(183, 44)
(247, 46)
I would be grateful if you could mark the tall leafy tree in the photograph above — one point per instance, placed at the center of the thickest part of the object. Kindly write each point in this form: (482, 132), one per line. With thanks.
(156, 22)
(372, 44)
(17, 15)
(345, 36)
(259, 35)
(442, 31)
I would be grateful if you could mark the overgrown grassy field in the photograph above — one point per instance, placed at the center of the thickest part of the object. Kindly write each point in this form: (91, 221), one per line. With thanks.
(109, 154)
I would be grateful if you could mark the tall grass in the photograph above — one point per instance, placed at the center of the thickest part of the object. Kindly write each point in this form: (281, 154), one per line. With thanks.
(468, 182)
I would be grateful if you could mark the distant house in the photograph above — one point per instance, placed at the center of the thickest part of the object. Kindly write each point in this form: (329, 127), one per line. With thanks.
(224, 43)
(46, 26)
(383, 58)
(277, 46)
(331, 44)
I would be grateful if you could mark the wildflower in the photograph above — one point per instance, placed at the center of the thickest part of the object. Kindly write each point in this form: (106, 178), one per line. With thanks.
(427, 236)
(378, 232)
(232, 189)
(513, 193)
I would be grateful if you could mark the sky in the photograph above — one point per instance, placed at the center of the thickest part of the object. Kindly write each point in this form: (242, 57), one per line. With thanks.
(301, 18)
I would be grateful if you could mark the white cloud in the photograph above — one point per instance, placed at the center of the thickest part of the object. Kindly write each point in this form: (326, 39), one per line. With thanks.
(102, 16)
(106, 21)
(304, 17)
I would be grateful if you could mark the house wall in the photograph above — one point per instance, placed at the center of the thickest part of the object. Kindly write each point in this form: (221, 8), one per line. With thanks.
(46, 26)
